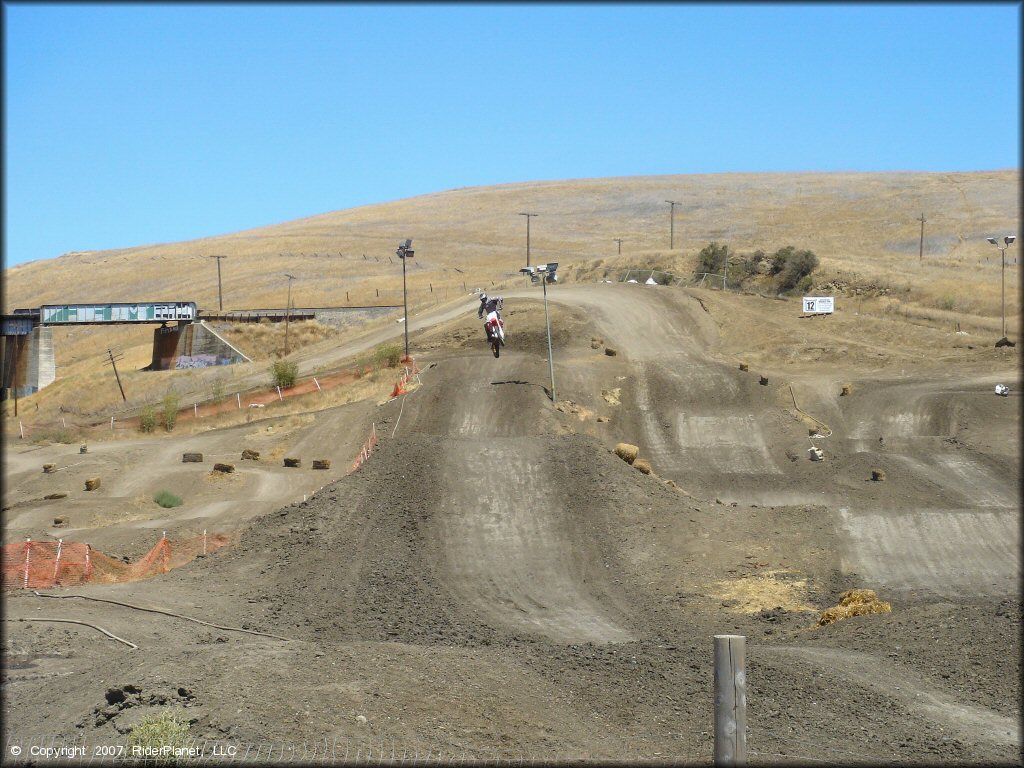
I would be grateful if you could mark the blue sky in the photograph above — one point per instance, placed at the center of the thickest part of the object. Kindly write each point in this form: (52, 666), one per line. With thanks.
(128, 124)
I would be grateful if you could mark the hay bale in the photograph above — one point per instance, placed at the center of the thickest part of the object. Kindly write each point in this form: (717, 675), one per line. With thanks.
(293, 462)
(763, 381)
(92, 484)
(226, 468)
(52, 496)
(643, 465)
(49, 469)
(321, 463)
(878, 475)
(191, 457)
(248, 455)
(847, 389)
(627, 452)
(854, 602)
(610, 352)
(60, 522)
(744, 367)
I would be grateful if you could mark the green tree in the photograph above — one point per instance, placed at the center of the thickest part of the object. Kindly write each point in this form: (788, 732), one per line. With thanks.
(284, 373)
(387, 355)
(147, 419)
(170, 410)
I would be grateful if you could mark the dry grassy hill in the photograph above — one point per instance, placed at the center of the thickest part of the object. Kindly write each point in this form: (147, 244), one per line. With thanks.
(863, 226)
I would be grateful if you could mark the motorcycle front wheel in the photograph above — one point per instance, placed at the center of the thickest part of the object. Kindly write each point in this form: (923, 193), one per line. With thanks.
(496, 347)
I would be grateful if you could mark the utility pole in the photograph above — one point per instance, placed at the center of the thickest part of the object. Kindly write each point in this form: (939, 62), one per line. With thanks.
(114, 357)
(288, 312)
(672, 224)
(528, 217)
(620, 246)
(220, 297)
(404, 252)
(920, 252)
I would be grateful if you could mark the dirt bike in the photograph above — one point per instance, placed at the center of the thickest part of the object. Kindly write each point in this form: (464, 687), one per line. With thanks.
(495, 328)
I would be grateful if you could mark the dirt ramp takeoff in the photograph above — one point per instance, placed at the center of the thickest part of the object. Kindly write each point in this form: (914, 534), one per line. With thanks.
(511, 552)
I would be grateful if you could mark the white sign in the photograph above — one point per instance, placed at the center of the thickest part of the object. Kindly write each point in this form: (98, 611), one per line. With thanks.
(819, 304)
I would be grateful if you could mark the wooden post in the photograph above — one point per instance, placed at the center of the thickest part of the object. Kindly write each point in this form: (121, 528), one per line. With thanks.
(238, 396)
(730, 700)
(317, 384)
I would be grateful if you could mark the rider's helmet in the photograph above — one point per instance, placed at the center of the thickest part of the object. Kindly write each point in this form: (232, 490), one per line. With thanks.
(483, 297)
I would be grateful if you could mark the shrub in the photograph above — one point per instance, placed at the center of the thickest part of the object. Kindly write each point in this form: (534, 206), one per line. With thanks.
(753, 262)
(361, 365)
(167, 499)
(170, 410)
(147, 419)
(218, 390)
(387, 355)
(284, 373)
(169, 728)
(711, 257)
(792, 266)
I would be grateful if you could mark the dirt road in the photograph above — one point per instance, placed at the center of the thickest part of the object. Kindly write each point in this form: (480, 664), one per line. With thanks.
(495, 583)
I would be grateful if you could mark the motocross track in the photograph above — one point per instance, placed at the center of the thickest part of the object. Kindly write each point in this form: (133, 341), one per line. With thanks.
(494, 582)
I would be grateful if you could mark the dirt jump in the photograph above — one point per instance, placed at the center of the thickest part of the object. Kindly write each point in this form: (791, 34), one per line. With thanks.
(495, 583)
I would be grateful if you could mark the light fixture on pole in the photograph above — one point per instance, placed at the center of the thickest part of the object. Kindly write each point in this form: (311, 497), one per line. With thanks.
(404, 252)
(528, 217)
(220, 296)
(288, 313)
(672, 224)
(545, 273)
(1008, 241)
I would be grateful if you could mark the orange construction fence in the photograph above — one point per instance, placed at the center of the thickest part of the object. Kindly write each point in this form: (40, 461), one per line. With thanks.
(43, 564)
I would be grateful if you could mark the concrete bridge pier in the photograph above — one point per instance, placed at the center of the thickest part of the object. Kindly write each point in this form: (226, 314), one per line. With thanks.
(28, 362)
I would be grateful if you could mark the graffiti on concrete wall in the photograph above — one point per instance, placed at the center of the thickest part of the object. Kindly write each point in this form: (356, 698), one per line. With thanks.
(202, 361)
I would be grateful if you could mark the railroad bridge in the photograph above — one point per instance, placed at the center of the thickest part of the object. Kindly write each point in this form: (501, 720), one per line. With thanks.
(181, 341)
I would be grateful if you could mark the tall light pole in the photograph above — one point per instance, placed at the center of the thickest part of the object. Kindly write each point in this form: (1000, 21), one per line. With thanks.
(220, 296)
(672, 224)
(545, 273)
(288, 312)
(528, 217)
(1008, 240)
(404, 252)
(620, 246)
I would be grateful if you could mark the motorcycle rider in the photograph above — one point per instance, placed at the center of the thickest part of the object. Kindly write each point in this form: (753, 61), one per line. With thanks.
(488, 305)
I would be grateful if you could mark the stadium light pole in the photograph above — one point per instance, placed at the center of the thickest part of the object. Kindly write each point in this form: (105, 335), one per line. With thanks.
(1008, 240)
(545, 273)
(288, 312)
(672, 224)
(528, 217)
(404, 252)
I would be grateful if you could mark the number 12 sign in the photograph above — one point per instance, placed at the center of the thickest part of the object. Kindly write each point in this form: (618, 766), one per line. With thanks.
(819, 304)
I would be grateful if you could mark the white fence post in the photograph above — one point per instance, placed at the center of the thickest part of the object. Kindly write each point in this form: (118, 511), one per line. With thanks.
(111, 423)
(279, 393)
(317, 384)
(28, 557)
(56, 564)
(239, 397)
(730, 700)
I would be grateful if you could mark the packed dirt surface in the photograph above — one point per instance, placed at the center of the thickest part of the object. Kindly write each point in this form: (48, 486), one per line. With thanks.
(494, 582)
